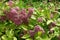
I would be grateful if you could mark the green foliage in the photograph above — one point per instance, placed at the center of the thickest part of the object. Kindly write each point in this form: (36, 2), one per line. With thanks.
(11, 31)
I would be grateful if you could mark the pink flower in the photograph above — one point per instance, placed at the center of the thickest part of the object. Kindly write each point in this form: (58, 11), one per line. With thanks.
(32, 33)
(17, 21)
(10, 3)
(2, 18)
(38, 28)
(40, 19)
(17, 8)
(13, 11)
(30, 12)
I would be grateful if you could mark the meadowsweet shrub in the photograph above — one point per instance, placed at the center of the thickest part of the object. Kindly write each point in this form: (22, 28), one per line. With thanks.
(19, 21)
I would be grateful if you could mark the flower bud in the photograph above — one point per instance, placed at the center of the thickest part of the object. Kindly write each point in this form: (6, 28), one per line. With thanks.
(2, 18)
(32, 33)
(40, 19)
(38, 28)
(51, 31)
(51, 25)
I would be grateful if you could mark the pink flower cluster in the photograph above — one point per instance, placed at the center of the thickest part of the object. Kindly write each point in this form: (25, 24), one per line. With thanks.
(37, 28)
(19, 16)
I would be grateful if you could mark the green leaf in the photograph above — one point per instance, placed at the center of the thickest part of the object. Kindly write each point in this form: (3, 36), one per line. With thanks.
(56, 31)
(29, 39)
(58, 24)
(23, 27)
(14, 38)
(0, 33)
(38, 38)
(26, 36)
(33, 17)
(49, 21)
(4, 37)
(39, 33)
(10, 33)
